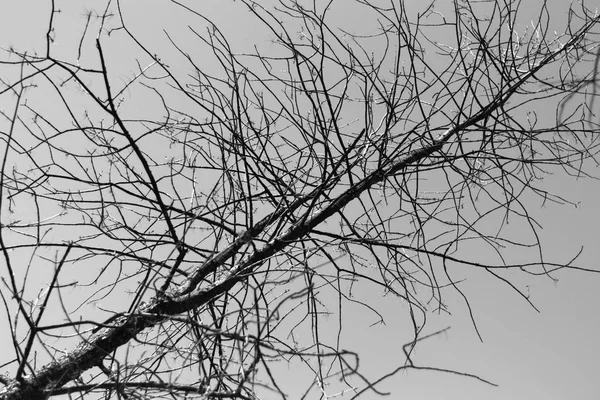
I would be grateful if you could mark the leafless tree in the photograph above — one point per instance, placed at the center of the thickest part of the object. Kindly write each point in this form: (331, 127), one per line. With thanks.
(183, 213)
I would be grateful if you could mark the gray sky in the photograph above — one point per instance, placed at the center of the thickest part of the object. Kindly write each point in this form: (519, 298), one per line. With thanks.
(549, 355)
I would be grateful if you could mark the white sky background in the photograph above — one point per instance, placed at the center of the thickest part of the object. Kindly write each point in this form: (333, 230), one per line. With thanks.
(551, 355)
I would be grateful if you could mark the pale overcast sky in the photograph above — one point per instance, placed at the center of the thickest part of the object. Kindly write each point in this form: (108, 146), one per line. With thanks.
(551, 355)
